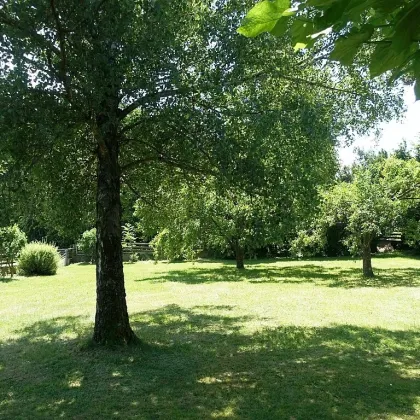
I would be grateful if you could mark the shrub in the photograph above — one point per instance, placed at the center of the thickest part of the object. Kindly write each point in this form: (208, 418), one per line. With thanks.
(87, 244)
(38, 258)
(128, 237)
(12, 240)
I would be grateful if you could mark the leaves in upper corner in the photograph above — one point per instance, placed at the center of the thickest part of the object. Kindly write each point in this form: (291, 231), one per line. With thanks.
(263, 17)
(346, 47)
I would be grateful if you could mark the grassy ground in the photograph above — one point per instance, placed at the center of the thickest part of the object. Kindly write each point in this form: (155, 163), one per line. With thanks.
(282, 340)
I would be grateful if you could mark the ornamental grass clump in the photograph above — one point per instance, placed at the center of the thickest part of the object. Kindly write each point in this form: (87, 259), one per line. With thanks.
(38, 258)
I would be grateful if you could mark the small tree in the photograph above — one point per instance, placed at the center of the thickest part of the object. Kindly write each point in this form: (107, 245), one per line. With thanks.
(12, 240)
(87, 244)
(129, 240)
(367, 208)
(226, 218)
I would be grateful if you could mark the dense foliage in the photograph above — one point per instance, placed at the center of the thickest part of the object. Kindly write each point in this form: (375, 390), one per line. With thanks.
(110, 93)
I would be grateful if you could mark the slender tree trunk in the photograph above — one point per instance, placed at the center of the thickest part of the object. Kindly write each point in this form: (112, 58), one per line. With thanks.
(111, 322)
(367, 259)
(239, 255)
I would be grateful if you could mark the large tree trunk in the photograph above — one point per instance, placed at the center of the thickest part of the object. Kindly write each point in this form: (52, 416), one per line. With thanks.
(367, 259)
(111, 322)
(239, 255)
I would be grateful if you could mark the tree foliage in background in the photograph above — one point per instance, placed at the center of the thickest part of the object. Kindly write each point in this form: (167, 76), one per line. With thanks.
(205, 216)
(12, 240)
(373, 204)
(387, 30)
(87, 244)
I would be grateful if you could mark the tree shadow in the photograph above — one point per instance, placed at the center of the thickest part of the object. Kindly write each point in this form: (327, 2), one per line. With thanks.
(389, 277)
(296, 274)
(200, 363)
(7, 279)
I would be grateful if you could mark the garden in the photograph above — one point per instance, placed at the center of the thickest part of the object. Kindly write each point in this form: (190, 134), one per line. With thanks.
(178, 237)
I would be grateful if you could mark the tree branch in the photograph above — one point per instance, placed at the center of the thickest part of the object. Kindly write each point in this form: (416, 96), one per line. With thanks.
(7, 20)
(63, 56)
(148, 98)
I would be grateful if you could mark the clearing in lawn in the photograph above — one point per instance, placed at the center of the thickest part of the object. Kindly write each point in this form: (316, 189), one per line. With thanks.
(282, 340)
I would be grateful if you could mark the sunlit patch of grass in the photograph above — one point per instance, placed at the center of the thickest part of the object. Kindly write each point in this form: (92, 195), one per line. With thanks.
(283, 339)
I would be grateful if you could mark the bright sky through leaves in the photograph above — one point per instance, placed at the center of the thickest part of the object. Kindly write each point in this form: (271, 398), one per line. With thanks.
(393, 132)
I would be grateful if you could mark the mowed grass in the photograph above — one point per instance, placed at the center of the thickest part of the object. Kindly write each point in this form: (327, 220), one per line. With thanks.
(282, 340)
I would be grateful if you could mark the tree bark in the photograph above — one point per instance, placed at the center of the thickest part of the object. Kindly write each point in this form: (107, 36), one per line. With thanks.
(239, 255)
(367, 260)
(111, 321)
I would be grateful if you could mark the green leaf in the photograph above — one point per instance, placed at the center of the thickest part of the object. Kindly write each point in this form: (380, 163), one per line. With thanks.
(346, 47)
(301, 30)
(386, 6)
(299, 46)
(385, 58)
(280, 27)
(356, 8)
(416, 65)
(263, 17)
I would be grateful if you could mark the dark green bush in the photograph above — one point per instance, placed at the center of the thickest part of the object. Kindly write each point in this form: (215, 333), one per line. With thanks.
(38, 258)
(87, 244)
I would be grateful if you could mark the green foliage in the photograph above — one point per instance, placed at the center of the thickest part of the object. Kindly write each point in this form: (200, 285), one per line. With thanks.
(230, 218)
(365, 205)
(263, 17)
(387, 30)
(87, 244)
(12, 240)
(380, 197)
(128, 236)
(39, 259)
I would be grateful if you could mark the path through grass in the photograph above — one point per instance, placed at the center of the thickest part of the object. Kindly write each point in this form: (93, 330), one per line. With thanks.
(283, 340)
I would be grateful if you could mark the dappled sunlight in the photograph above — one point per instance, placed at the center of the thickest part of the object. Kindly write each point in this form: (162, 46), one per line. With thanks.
(199, 361)
(323, 275)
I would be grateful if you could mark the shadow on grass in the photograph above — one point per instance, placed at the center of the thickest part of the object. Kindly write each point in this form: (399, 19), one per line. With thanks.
(308, 273)
(7, 279)
(199, 364)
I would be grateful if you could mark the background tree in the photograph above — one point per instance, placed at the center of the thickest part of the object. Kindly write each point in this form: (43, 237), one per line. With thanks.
(12, 240)
(87, 244)
(207, 216)
(373, 204)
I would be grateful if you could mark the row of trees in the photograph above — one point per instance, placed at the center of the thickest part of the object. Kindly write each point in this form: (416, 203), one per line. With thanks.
(119, 99)
(378, 196)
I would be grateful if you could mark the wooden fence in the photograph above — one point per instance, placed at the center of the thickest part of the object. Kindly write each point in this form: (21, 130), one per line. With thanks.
(74, 255)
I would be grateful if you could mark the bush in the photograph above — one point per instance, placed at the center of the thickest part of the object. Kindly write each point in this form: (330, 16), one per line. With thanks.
(87, 244)
(12, 240)
(38, 258)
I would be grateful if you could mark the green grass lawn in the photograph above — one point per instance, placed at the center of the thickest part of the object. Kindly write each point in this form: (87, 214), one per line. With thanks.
(282, 340)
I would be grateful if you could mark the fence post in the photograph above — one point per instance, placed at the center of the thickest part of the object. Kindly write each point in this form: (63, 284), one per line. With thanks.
(66, 257)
